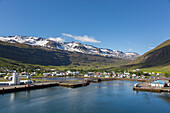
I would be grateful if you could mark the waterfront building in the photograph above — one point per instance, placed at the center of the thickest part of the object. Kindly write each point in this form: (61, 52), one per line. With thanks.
(86, 75)
(100, 76)
(106, 76)
(69, 72)
(158, 83)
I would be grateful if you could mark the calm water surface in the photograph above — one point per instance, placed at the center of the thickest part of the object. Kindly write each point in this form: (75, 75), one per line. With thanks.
(104, 97)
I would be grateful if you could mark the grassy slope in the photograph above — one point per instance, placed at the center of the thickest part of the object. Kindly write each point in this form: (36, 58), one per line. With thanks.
(33, 55)
(158, 69)
(157, 59)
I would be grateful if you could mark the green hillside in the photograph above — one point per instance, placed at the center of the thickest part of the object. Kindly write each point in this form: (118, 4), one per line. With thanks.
(22, 55)
(157, 59)
(159, 56)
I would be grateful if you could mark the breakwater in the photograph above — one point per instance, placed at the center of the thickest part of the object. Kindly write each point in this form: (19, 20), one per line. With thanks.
(147, 87)
(15, 88)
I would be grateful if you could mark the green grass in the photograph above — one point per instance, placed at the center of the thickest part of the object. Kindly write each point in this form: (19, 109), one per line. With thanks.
(164, 69)
(3, 80)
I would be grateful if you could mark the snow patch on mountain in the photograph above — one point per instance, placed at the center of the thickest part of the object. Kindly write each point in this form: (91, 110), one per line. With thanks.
(24, 39)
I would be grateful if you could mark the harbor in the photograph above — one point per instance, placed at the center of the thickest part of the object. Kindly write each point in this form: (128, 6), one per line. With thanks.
(101, 97)
(21, 85)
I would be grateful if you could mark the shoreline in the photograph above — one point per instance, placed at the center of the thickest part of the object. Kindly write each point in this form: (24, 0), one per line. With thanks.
(80, 83)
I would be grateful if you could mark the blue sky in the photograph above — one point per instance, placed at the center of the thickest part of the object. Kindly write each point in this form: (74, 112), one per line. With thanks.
(126, 25)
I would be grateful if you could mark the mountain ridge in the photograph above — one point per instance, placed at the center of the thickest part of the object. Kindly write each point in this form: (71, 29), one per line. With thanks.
(69, 46)
(159, 56)
(23, 54)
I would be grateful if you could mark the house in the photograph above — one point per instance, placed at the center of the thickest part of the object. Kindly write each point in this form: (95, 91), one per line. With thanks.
(105, 73)
(91, 73)
(10, 78)
(106, 76)
(134, 75)
(95, 76)
(97, 73)
(126, 73)
(114, 74)
(6, 77)
(53, 74)
(77, 73)
(1, 74)
(23, 73)
(52, 69)
(86, 75)
(120, 75)
(9, 74)
(46, 74)
(143, 76)
(100, 76)
(153, 73)
(69, 72)
(159, 74)
(158, 83)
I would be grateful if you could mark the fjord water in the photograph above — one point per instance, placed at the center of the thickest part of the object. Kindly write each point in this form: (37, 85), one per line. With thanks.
(103, 97)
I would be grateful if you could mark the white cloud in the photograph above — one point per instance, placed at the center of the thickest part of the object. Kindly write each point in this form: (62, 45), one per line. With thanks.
(58, 39)
(84, 38)
(130, 49)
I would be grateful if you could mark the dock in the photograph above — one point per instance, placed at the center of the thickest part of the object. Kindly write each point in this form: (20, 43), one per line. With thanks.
(146, 87)
(74, 84)
(15, 88)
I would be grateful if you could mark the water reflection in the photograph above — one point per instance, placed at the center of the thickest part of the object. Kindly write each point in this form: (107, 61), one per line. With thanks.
(22, 94)
(165, 96)
(106, 96)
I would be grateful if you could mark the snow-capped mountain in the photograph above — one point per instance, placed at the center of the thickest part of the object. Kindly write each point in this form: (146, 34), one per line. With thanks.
(69, 46)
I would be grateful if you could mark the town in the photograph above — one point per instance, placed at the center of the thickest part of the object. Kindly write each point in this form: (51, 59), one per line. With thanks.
(17, 77)
(135, 74)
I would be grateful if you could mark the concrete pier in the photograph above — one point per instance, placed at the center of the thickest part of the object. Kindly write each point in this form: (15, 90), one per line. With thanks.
(146, 87)
(15, 88)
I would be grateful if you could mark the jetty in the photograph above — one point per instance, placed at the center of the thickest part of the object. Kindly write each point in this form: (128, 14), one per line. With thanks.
(15, 88)
(146, 87)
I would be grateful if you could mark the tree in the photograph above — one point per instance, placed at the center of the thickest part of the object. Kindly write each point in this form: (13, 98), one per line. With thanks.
(167, 75)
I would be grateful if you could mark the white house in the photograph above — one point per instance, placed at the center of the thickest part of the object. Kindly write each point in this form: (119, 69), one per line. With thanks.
(16, 80)
(2, 74)
(106, 76)
(158, 83)
(134, 75)
(69, 72)
(158, 74)
(126, 73)
(86, 75)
